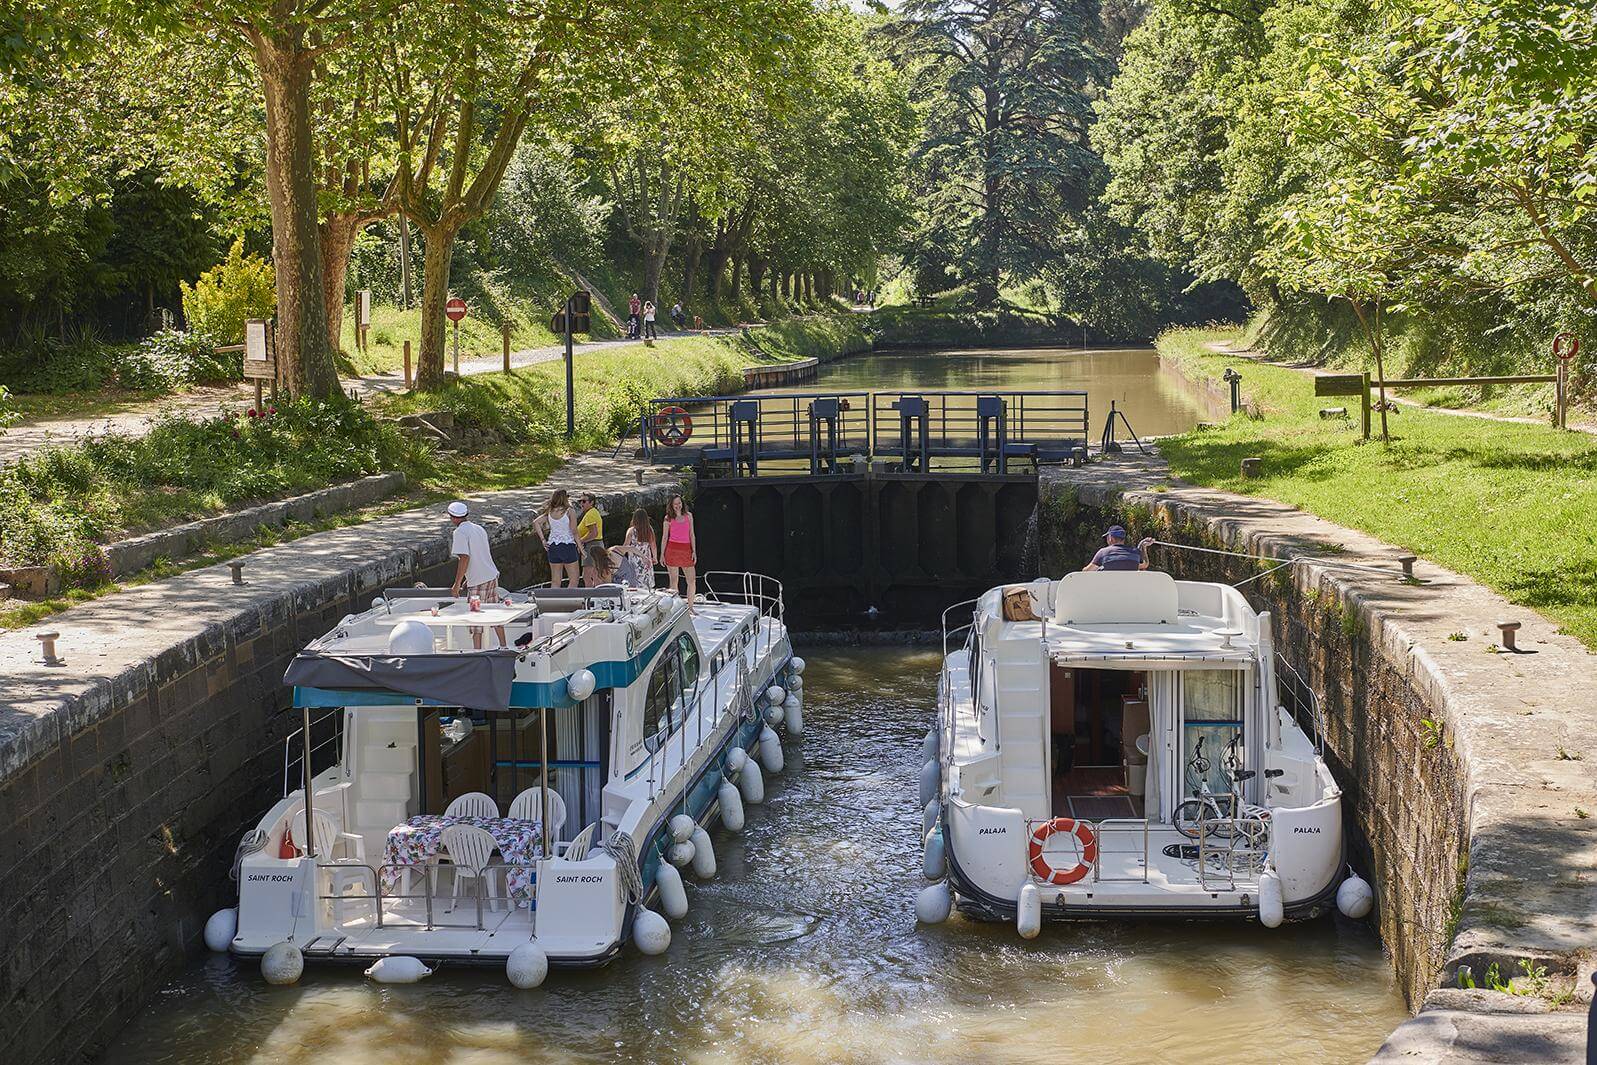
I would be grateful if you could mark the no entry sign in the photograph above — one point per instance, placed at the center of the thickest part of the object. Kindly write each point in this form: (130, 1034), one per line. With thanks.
(1566, 346)
(455, 309)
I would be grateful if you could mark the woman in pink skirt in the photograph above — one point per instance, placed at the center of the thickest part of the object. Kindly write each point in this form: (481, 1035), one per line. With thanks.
(681, 549)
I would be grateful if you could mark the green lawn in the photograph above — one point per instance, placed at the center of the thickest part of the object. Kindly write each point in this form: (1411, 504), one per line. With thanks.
(1514, 506)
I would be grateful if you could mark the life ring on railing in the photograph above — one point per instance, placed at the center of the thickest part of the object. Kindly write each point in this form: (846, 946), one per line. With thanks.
(672, 426)
(1039, 863)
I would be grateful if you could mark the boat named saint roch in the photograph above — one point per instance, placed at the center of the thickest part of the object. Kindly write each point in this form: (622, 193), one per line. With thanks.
(1119, 744)
(524, 805)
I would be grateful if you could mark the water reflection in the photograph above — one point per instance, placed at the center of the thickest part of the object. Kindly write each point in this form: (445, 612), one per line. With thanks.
(805, 949)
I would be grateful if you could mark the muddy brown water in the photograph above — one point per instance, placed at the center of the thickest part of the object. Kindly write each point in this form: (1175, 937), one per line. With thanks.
(805, 949)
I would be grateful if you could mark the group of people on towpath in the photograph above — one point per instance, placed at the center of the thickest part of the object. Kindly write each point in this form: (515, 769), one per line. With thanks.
(641, 316)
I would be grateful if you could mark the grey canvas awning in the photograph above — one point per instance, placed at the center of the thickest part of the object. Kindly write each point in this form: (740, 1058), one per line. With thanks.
(477, 680)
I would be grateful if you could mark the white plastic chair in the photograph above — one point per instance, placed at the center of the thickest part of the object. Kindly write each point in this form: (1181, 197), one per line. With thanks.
(330, 841)
(473, 804)
(528, 806)
(469, 849)
(578, 848)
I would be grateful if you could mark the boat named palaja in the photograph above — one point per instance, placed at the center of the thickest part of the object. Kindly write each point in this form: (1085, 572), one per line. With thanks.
(1115, 744)
(521, 804)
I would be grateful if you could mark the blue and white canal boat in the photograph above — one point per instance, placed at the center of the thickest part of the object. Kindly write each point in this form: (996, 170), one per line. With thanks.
(478, 803)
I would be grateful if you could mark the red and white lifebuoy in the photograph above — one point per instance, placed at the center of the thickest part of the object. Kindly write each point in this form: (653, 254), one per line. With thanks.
(1039, 862)
(672, 426)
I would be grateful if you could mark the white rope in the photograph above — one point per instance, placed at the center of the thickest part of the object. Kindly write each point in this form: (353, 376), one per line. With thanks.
(253, 841)
(619, 846)
(1295, 559)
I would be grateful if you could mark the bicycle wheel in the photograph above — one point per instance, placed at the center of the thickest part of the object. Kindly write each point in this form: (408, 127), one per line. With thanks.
(1190, 817)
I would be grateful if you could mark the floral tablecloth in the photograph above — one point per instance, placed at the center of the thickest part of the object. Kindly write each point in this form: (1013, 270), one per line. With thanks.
(419, 839)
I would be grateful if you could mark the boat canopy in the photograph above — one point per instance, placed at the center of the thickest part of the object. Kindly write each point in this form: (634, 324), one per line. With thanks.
(481, 680)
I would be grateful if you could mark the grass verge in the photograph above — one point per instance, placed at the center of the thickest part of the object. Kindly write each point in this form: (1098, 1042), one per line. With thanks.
(1509, 504)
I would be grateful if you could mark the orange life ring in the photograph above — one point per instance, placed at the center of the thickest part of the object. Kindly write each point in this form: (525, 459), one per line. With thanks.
(672, 426)
(1039, 864)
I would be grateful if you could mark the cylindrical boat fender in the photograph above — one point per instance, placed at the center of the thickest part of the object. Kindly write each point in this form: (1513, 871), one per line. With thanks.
(771, 750)
(775, 694)
(931, 781)
(796, 664)
(751, 783)
(282, 964)
(774, 714)
(681, 827)
(703, 855)
(930, 814)
(731, 806)
(735, 759)
(673, 896)
(1354, 897)
(795, 716)
(527, 966)
(934, 862)
(1028, 912)
(929, 746)
(398, 969)
(651, 932)
(1272, 904)
(220, 929)
(680, 854)
(934, 903)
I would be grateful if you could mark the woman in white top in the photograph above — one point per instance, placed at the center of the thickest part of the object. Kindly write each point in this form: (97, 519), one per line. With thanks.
(555, 528)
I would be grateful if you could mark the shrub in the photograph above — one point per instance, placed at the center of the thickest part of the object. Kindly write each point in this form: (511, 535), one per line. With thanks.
(229, 294)
(8, 409)
(171, 359)
(79, 362)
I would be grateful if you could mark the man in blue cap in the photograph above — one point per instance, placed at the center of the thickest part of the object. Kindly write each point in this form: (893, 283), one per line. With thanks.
(1116, 555)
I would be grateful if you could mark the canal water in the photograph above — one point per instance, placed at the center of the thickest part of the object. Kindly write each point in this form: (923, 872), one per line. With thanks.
(805, 949)
(1155, 403)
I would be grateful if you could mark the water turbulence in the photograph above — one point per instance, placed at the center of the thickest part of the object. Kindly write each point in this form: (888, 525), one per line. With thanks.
(805, 949)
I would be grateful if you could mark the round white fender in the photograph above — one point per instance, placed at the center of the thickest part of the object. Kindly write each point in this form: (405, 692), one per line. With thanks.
(735, 759)
(752, 783)
(651, 932)
(928, 746)
(1272, 904)
(931, 781)
(282, 964)
(580, 684)
(1028, 912)
(934, 903)
(398, 970)
(680, 854)
(796, 664)
(703, 855)
(774, 714)
(771, 750)
(934, 862)
(681, 827)
(410, 637)
(1355, 898)
(929, 816)
(221, 928)
(795, 717)
(775, 694)
(796, 684)
(527, 966)
(731, 806)
(673, 896)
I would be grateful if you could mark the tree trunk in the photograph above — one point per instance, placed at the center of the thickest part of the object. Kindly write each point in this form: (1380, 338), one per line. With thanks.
(404, 262)
(787, 285)
(440, 249)
(716, 268)
(304, 356)
(737, 277)
(338, 234)
(756, 273)
(653, 267)
(690, 273)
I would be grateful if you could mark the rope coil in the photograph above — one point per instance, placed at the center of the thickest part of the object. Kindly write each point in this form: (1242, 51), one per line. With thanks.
(253, 841)
(619, 846)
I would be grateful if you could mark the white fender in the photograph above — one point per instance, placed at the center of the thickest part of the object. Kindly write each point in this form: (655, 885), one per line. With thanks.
(774, 714)
(680, 854)
(929, 816)
(1272, 904)
(580, 684)
(934, 862)
(735, 759)
(673, 896)
(527, 966)
(1028, 912)
(752, 783)
(282, 964)
(775, 694)
(934, 903)
(682, 826)
(1355, 898)
(796, 665)
(731, 806)
(651, 932)
(703, 855)
(929, 746)
(795, 718)
(770, 750)
(796, 684)
(221, 928)
(931, 781)
(399, 969)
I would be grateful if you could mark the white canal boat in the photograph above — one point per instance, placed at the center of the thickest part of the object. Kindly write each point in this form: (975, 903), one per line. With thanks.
(1114, 744)
(519, 807)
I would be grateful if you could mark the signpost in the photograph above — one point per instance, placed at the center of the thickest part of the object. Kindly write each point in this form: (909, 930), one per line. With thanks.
(260, 361)
(363, 317)
(1348, 384)
(574, 318)
(455, 310)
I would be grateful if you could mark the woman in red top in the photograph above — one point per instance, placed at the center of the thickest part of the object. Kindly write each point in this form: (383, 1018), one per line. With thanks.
(681, 549)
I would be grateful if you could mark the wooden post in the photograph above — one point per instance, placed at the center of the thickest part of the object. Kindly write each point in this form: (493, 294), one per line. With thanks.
(407, 364)
(1364, 403)
(504, 328)
(1560, 396)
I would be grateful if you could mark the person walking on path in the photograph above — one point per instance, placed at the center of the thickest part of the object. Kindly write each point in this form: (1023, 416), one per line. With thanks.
(681, 547)
(475, 573)
(1117, 556)
(634, 316)
(649, 332)
(639, 550)
(557, 530)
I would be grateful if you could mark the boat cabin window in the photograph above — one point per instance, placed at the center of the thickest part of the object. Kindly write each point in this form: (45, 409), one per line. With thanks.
(1211, 732)
(664, 694)
(688, 655)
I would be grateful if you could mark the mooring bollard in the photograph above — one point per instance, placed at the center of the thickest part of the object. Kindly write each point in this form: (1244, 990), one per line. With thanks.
(1407, 562)
(1235, 380)
(1508, 629)
(1252, 467)
(47, 640)
(237, 566)
(639, 474)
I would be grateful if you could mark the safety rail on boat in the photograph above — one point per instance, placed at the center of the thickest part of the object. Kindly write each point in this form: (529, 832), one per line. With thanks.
(758, 590)
(1300, 702)
(294, 750)
(378, 896)
(1120, 824)
(971, 647)
(1234, 844)
(743, 695)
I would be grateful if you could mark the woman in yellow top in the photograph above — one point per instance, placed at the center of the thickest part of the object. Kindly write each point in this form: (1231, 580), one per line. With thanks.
(590, 526)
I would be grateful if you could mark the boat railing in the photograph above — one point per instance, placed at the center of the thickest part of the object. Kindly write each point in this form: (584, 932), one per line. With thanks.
(1123, 826)
(1226, 850)
(758, 590)
(378, 897)
(325, 753)
(1299, 700)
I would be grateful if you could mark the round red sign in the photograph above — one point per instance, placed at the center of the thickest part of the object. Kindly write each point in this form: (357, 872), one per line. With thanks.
(1566, 345)
(455, 309)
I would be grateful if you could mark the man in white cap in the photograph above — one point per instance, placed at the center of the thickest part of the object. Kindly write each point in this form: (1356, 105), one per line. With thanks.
(475, 572)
